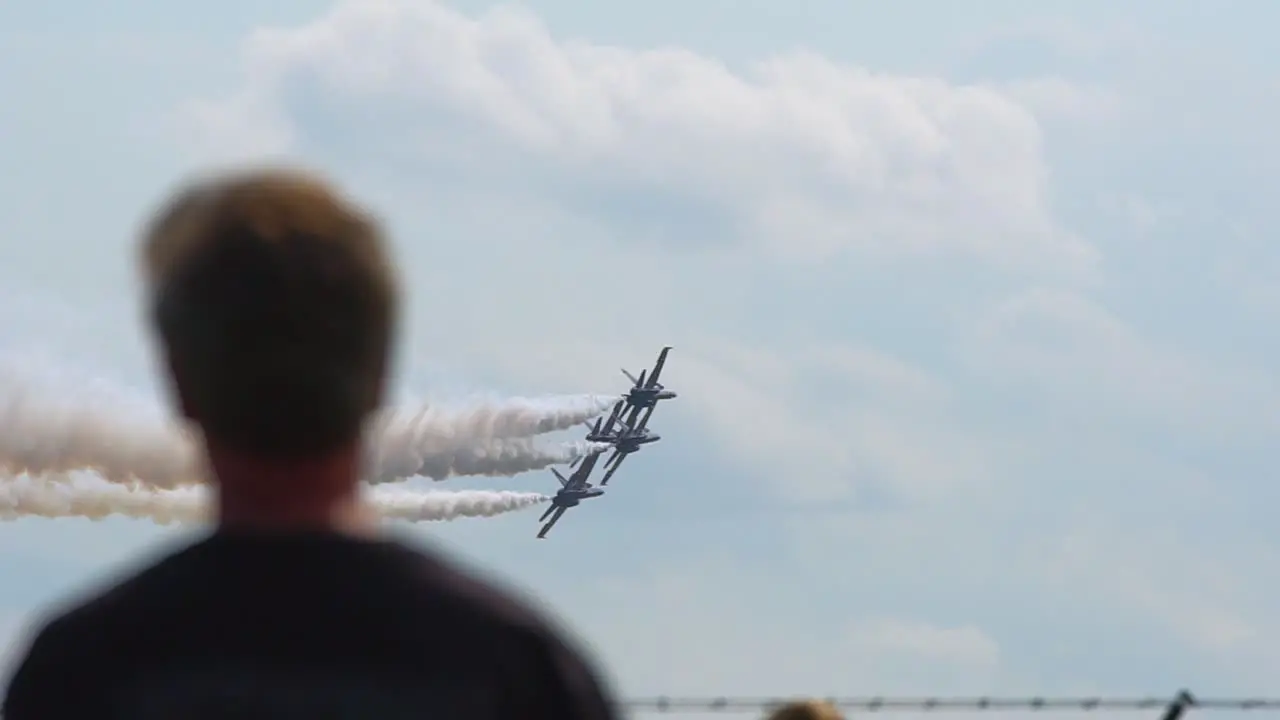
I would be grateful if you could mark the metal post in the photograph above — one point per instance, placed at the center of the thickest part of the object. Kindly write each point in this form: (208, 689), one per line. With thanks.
(1175, 709)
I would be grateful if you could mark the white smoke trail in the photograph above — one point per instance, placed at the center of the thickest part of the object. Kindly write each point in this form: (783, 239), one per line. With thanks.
(498, 419)
(41, 434)
(394, 457)
(488, 439)
(47, 498)
(399, 503)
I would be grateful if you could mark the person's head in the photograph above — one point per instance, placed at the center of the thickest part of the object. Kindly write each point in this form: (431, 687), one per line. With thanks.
(275, 304)
(806, 710)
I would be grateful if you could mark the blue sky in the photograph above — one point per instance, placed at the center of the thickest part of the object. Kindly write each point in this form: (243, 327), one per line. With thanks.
(972, 308)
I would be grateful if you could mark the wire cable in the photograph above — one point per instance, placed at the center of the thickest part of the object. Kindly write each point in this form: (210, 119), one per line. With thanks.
(1173, 706)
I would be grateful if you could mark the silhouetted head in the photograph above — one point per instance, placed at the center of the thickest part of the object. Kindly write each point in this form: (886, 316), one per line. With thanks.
(275, 305)
(806, 710)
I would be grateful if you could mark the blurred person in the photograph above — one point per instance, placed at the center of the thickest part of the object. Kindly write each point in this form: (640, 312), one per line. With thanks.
(806, 710)
(275, 305)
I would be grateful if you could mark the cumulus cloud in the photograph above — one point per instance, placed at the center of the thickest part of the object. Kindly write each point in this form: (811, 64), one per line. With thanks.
(1076, 350)
(836, 422)
(751, 647)
(796, 154)
(1143, 572)
(795, 157)
(1060, 99)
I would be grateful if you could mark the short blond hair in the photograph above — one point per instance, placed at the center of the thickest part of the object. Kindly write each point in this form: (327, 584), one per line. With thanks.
(806, 710)
(276, 304)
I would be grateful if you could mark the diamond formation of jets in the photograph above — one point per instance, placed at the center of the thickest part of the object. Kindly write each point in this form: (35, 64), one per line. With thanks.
(626, 429)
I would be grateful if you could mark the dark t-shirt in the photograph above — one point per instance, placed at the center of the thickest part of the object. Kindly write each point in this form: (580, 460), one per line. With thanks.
(305, 626)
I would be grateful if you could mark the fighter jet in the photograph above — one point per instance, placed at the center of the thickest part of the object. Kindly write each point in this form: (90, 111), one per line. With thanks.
(573, 490)
(625, 440)
(645, 393)
(603, 432)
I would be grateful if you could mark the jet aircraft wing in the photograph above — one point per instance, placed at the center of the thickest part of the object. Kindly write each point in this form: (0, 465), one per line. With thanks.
(613, 457)
(616, 461)
(564, 481)
(555, 517)
(657, 368)
(580, 475)
(644, 421)
(633, 414)
(583, 472)
(614, 416)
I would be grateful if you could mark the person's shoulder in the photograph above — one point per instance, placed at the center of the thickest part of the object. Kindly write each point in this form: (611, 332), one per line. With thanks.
(551, 675)
(456, 587)
(488, 605)
(86, 614)
(71, 634)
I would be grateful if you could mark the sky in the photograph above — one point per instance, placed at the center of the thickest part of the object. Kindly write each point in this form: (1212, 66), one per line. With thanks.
(972, 306)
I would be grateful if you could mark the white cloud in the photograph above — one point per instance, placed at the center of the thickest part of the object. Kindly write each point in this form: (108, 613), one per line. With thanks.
(1143, 216)
(963, 645)
(799, 155)
(1076, 351)
(751, 646)
(1248, 269)
(543, 150)
(1056, 98)
(1146, 572)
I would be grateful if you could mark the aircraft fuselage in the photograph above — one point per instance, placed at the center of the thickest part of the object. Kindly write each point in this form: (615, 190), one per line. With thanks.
(571, 499)
(644, 397)
(624, 440)
(631, 444)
